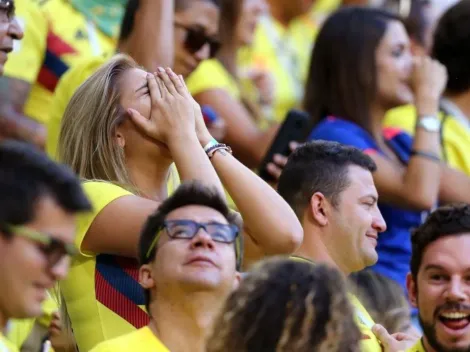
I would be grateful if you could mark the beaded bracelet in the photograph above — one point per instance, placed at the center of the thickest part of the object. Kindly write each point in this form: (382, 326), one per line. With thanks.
(218, 147)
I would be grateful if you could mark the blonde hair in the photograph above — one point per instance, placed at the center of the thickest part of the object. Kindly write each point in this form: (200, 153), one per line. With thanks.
(86, 141)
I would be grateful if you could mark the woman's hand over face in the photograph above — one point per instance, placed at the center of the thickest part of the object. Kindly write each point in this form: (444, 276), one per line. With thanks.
(172, 116)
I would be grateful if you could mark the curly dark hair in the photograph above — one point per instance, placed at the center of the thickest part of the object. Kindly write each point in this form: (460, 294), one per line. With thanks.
(445, 221)
(451, 48)
(287, 305)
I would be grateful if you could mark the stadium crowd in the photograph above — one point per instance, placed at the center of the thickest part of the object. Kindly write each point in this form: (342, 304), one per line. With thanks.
(235, 175)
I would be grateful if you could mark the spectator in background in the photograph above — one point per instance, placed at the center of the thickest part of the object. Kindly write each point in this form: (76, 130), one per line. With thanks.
(331, 189)
(451, 48)
(223, 91)
(57, 34)
(439, 283)
(347, 101)
(280, 48)
(39, 204)
(9, 31)
(384, 299)
(182, 46)
(122, 131)
(189, 253)
(286, 306)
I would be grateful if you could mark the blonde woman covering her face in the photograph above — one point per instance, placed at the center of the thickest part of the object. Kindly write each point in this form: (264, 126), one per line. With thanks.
(121, 132)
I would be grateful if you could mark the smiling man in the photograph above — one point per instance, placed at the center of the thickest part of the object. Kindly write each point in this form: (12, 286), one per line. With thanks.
(38, 208)
(189, 253)
(439, 282)
(331, 189)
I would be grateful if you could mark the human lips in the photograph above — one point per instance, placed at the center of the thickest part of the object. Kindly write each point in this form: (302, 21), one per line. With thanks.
(200, 260)
(373, 235)
(454, 321)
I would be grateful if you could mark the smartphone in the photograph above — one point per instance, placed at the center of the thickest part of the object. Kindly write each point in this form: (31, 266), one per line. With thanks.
(296, 127)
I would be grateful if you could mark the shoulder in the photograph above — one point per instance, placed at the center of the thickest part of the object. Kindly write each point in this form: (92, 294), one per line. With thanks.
(211, 74)
(344, 132)
(101, 193)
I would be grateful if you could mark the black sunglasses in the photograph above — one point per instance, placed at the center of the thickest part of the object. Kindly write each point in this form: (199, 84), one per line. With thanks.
(197, 38)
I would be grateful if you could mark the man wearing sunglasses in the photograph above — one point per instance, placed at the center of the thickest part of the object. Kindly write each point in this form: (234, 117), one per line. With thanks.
(189, 252)
(38, 208)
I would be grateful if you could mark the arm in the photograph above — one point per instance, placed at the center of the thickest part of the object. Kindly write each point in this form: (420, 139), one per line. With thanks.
(271, 226)
(454, 186)
(248, 142)
(151, 41)
(116, 229)
(13, 124)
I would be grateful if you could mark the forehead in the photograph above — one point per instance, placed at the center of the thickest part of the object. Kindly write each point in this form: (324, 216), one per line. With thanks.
(197, 213)
(132, 80)
(50, 218)
(361, 182)
(200, 13)
(450, 252)
(395, 35)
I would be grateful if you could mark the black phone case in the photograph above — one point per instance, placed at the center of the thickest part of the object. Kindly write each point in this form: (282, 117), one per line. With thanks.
(296, 127)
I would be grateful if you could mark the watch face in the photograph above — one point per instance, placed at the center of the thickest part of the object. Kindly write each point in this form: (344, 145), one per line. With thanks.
(431, 124)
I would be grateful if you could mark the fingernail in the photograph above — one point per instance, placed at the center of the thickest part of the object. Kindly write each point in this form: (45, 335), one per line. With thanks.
(160, 69)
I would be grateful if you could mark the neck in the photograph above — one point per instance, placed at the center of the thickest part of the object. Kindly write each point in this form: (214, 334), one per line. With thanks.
(278, 11)
(228, 57)
(462, 101)
(427, 346)
(150, 178)
(184, 324)
(314, 249)
(377, 114)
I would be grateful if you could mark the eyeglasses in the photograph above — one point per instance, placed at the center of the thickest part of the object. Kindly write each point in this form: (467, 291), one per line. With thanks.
(187, 229)
(197, 38)
(53, 248)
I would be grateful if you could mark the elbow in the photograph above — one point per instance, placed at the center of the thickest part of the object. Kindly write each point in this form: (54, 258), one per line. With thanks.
(288, 239)
(422, 201)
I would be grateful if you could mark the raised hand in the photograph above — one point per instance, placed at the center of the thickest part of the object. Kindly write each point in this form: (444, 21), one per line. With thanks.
(172, 108)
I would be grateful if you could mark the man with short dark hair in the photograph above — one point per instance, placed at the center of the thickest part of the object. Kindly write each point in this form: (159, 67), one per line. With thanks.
(190, 251)
(331, 189)
(38, 207)
(439, 282)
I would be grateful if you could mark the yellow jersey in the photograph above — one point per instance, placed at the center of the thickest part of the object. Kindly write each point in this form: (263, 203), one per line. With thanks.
(7, 346)
(103, 296)
(20, 329)
(419, 347)
(66, 88)
(369, 342)
(142, 340)
(455, 133)
(209, 75)
(55, 36)
(285, 53)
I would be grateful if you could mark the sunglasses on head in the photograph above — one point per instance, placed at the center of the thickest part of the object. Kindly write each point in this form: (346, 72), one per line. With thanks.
(197, 38)
(53, 248)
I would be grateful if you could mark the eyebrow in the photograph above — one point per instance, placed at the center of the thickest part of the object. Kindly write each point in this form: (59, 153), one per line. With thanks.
(371, 196)
(433, 267)
(142, 87)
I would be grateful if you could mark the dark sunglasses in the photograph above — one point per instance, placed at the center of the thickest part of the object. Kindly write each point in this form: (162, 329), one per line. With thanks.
(197, 38)
(53, 248)
(187, 229)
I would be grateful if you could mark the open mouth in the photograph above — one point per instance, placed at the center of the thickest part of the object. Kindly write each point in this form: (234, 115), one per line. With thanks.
(455, 320)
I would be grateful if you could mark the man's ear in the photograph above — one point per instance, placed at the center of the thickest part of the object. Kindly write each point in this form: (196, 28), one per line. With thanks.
(145, 277)
(319, 208)
(412, 288)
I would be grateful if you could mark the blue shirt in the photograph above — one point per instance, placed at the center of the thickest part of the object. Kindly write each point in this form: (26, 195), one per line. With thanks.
(394, 245)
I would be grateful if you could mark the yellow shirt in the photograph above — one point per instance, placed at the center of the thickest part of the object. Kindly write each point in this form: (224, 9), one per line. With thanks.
(209, 75)
(66, 88)
(103, 296)
(285, 53)
(6, 346)
(55, 36)
(369, 342)
(104, 299)
(20, 329)
(455, 135)
(142, 340)
(418, 347)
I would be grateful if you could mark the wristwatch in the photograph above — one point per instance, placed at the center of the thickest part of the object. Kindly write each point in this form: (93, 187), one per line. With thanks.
(429, 123)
